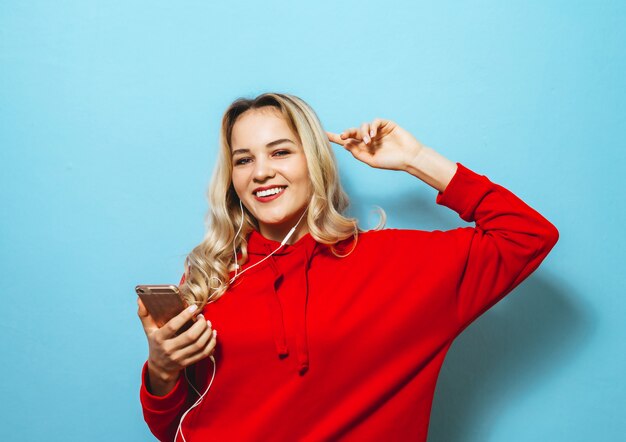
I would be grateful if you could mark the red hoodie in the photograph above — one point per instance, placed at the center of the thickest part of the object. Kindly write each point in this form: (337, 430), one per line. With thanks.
(312, 347)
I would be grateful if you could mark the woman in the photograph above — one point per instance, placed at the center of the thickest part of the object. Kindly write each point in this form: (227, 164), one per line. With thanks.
(326, 332)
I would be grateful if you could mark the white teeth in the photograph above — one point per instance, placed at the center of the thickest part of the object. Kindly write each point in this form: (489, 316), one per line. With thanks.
(269, 192)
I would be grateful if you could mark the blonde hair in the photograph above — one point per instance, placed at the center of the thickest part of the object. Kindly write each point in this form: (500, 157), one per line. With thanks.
(209, 263)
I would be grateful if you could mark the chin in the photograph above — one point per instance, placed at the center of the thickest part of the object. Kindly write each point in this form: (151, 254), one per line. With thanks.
(273, 222)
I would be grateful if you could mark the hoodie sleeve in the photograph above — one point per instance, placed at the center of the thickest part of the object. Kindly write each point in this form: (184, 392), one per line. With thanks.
(509, 242)
(163, 413)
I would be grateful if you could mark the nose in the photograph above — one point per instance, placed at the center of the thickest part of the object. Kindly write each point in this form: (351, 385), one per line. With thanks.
(263, 170)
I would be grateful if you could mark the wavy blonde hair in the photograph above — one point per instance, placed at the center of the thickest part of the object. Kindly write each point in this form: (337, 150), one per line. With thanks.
(209, 263)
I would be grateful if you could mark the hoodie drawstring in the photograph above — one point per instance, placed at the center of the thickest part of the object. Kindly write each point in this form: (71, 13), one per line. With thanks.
(276, 310)
(302, 335)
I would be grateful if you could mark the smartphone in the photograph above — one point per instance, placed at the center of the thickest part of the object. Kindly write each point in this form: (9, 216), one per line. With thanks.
(163, 303)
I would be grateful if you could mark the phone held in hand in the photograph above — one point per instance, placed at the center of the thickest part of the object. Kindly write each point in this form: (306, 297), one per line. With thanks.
(163, 302)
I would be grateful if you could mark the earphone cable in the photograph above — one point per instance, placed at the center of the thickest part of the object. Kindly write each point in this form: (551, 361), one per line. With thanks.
(180, 424)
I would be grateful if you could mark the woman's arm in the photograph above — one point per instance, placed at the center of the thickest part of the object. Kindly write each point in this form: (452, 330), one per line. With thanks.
(488, 261)
(484, 263)
(432, 168)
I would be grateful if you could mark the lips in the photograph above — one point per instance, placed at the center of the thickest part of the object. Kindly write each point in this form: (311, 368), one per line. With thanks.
(270, 193)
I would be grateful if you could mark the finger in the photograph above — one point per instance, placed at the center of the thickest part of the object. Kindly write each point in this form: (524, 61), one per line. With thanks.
(196, 346)
(353, 132)
(335, 138)
(206, 352)
(205, 337)
(191, 335)
(374, 127)
(146, 320)
(365, 130)
(173, 325)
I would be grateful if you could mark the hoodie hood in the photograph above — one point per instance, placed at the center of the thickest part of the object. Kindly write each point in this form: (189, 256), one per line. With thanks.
(289, 266)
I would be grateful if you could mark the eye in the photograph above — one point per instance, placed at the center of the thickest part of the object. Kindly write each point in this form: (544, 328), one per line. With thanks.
(281, 153)
(244, 160)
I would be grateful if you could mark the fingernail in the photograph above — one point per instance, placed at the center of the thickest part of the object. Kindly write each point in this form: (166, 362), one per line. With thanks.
(366, 139)
(372, 133)
(208, 323)
(215, 333)
(201, 316)
(192, 308)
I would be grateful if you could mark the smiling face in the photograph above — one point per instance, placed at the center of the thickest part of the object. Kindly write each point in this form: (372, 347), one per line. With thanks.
(270, 173)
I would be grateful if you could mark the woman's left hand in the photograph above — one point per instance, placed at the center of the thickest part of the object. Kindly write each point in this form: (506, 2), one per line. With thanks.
(381, 143)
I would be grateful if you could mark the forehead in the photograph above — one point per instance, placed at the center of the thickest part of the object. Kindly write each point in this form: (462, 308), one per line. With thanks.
(257, 127)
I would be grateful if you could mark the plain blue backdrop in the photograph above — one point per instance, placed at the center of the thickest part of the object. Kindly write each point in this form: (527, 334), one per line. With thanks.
(109, 120)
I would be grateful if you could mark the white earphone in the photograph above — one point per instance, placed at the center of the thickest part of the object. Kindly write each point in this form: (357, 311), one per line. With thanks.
(283, 242)
(201, 396)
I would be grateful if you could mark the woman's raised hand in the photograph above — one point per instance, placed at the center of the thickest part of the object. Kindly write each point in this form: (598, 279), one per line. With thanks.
(381, 143)
(169, 353)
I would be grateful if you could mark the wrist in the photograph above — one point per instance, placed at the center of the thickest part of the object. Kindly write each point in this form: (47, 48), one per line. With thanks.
(160, 375)
(414, 150)
(432, 168)
(160, 383)
(413, 163)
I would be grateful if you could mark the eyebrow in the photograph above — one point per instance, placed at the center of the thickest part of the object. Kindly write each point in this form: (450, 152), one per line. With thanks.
(270, 144)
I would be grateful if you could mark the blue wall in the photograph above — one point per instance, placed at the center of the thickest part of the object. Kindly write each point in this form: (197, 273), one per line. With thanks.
(109, 118)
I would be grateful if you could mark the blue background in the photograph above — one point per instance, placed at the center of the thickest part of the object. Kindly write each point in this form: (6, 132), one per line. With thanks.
(109, 119)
